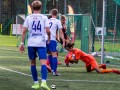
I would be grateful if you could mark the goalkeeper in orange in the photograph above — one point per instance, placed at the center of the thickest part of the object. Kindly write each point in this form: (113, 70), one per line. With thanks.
(74, 55)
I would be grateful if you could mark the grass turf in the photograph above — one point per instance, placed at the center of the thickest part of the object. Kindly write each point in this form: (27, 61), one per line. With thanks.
(73, 78)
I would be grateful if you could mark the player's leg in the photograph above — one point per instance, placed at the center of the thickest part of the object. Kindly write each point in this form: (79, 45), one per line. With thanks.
(55, 64)
(116, 71)
(59, 63)
(88, 68)
(42, 57)
(48, 66)
(32, 56)
(102, 66)
(50, 61)
(49, 48)
(95, 66)
(53, 46)
(106, 70)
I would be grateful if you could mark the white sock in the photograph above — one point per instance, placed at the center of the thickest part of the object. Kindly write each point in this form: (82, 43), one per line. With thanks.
(43, 80)
(36, 82)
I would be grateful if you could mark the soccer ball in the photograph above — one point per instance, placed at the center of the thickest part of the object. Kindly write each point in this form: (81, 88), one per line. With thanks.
(53, 86)
(71, 56)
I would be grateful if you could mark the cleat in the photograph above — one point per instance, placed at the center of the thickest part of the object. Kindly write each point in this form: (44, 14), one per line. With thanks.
(36, 86)
(44, 86)
(56, 74)
(116, 71)
(104, 66)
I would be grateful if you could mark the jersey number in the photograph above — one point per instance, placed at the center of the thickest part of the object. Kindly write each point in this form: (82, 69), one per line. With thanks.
(51, 24)
(36, 26)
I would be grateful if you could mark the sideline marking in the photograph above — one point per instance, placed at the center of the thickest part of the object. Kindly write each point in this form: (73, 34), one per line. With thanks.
(87, 81)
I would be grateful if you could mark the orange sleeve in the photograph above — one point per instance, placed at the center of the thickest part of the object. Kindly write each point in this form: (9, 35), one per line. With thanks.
(77, 53)
(69, 56)
(66, 59)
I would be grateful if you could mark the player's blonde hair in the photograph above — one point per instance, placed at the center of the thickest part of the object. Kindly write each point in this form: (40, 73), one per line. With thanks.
(54, 12)
(36, 5)
(63, 17)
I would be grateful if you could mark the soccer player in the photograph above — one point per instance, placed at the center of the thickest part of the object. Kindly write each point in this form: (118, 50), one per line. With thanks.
(54, 25)
(36, 24)
(64, 29)
(75, 54)
(49, 53)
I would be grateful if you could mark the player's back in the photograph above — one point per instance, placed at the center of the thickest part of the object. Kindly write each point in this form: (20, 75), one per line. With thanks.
(36, 24)
(55, 25)
(86, 58)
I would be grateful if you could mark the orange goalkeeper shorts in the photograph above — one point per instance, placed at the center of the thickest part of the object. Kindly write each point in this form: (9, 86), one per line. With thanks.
(93, 64)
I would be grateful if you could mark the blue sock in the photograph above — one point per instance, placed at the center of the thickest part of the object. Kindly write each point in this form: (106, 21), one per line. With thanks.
(55, 62)
(50, 61)
(44, 72)
(34, 73)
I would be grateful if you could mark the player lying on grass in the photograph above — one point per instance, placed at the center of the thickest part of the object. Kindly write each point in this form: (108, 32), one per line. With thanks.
(74, 55)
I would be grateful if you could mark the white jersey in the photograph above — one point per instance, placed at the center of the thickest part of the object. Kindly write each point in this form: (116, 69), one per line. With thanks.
(55, 25)
(36, 24)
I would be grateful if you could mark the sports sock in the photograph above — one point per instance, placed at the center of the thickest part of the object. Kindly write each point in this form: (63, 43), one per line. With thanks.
(44, 72)
(50, 61)
(34, 73)
(106, 70)
(55, 63)
(47, 62)
(116, 71)
(100, 66)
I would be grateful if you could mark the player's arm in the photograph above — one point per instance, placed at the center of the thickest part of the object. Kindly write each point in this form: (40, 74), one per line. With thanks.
(62, 37)
(48, 33)
(22, 49)
(25, 28)
(57, 36)
(47, 28)
(24, 34)
(61, 33)
(68, 38)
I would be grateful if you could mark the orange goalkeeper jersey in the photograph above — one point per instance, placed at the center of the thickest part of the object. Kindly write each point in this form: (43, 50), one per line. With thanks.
(80, 55)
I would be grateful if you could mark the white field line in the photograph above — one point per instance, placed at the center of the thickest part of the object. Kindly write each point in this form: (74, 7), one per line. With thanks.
(87, 81)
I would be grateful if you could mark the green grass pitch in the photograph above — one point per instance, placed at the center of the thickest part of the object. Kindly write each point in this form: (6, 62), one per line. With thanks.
(15, 72)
